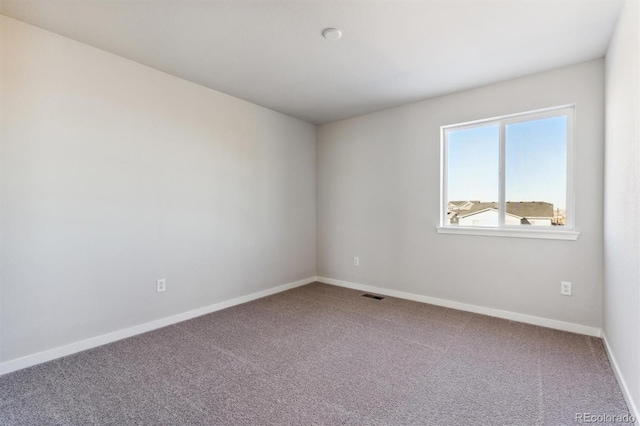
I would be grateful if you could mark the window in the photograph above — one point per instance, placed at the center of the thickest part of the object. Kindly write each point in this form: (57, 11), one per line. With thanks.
(509, 176)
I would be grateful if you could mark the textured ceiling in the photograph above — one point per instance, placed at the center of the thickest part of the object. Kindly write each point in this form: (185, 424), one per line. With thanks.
(392, 52)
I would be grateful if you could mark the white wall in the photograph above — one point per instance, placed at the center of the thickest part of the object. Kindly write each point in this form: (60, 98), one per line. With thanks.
(622, 200)
(378, 198)
(114, 174)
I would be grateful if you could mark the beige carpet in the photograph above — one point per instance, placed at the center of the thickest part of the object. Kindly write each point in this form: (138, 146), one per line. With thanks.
(321, 354)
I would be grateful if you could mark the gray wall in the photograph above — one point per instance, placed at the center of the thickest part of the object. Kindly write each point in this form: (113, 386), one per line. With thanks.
(379, 194)
(114, 174)
(622, 198)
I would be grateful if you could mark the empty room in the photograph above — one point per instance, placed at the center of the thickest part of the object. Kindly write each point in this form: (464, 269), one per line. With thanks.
(296, 212)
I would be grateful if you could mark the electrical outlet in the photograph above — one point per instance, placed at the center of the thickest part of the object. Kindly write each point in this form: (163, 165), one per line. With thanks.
(565, 288)
(161, 285)
(356, 261)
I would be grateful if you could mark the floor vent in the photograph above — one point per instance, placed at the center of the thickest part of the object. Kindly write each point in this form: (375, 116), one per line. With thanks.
(372, 296)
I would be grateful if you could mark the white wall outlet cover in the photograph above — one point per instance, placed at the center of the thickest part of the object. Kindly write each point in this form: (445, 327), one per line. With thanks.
(565, 288)
(161, 285)
(356, 261)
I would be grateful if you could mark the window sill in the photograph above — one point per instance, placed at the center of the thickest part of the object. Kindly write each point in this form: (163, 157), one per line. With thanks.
(509, 232)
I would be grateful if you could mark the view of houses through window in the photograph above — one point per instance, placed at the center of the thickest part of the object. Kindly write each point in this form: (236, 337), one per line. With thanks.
(528, 165)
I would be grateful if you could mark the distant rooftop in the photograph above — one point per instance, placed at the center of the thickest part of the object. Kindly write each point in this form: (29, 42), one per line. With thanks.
(516, 208)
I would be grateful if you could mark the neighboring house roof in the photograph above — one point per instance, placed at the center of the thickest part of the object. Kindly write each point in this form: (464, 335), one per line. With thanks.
(462, 205)
(530, 209)
(485, 210)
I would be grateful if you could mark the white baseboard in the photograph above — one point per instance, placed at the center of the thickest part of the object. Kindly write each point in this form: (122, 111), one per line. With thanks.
(513, 316)
(51, 354)
(631, 405)
(72, 348)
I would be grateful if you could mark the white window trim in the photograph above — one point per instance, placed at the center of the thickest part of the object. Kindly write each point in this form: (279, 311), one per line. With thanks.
(566, 232)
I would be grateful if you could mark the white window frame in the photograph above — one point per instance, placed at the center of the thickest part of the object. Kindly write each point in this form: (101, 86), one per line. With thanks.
(566, 232)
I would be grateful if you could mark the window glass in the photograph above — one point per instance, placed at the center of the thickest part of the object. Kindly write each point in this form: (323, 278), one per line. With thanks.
(536, 172)
(473, 176)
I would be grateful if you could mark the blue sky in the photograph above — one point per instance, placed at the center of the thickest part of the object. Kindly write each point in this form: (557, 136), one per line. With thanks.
(536, 158)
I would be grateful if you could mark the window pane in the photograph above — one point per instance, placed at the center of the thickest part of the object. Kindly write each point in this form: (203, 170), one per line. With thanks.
(472, 176)
(536, 172)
